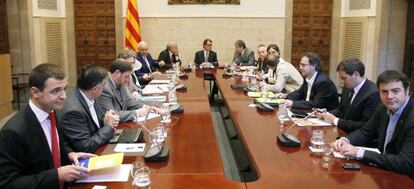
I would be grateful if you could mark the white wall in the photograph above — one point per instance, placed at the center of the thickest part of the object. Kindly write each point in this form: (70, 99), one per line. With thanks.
(247, 8)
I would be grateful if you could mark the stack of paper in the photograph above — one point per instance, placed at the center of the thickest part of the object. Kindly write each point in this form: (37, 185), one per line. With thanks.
(340, 156)
(114, 174)
(155, 89)
(310, 122)
(258, 94)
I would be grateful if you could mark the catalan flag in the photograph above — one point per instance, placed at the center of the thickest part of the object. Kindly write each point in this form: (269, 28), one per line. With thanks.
(132, 26)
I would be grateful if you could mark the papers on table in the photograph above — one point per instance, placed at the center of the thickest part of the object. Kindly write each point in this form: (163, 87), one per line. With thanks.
(155, 89)
(102, 162)
(159, 81)
(150, 116)
(153, 98)
(340, 156)
(270, 100)
(115, 174)
(310, 122)
(258, 94)
(129, 147)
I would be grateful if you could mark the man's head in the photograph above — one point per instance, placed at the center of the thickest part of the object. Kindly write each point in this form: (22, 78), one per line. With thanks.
(143, 48)
(128, 55)
(351, 72)
(172, 47)
(274, 50)
(47, 84)
(207, 44)
(394, 89)
(261, 51)
(120, 70)
(309, 64)
(272, 61)
(239, 46)
(91, 78)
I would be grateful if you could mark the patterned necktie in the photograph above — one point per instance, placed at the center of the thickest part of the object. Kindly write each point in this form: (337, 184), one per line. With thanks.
(118, 91)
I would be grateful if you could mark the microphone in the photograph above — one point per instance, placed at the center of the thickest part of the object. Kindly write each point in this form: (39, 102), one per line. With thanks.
(288, 140)
(156, 152)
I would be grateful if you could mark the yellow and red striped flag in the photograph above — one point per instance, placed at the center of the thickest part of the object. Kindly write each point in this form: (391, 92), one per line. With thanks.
(132, 26)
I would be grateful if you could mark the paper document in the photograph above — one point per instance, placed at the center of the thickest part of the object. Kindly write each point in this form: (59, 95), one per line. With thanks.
(155, 89)
(310, 122)
(166, 81)
(101, 162)
(115, 174)
(154, 98)
(150, 116)
(340, 156)
(129, 147)
(258, 94)
(270, 100)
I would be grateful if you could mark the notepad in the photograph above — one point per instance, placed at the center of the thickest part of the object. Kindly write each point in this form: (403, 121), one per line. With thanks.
(270, 100)
(310, 122)
(115, 174)
(101, 162)
(153, 98)
(258, 94)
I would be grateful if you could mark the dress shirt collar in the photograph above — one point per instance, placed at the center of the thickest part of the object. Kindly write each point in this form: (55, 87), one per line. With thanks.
(40, 114)
(359, 86)
(110, 78)
(88, 101)
(312, 79)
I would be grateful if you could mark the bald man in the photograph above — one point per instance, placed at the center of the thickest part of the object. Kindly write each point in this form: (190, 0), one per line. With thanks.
(169, 56)
(149, 65)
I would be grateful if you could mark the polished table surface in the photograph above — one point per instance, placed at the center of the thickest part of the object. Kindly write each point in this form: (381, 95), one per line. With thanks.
(282, 167)
(195, 162)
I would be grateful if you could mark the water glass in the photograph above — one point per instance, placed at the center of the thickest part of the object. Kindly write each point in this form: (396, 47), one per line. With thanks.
(282, 114)
(140, 174)
(159, 134)
(264, 93)
(165, 113)
(317, 140)
(327, 151)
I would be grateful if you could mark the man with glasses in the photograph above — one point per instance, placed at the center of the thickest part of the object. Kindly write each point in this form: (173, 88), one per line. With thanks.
(317, 91)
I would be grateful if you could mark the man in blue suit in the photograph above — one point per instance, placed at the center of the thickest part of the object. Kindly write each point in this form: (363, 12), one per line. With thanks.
(149, 65)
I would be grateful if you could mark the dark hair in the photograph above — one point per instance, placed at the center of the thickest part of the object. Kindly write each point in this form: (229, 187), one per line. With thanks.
(121, 65)
(314, 60)
(207, 40)
(43, 72)
(351, 65)
(127, 53)
(272, 60)
(393, 76)
(273, 46)
(90, 76)
(240, 43)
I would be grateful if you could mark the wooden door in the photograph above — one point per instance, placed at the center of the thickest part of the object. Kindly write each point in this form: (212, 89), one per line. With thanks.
(95, 32)
(4, 36)
(409, 45)
(311, 30)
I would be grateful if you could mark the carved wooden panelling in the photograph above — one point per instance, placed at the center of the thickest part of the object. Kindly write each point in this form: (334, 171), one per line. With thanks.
(4, 36)
(95, 32)
(311, 29)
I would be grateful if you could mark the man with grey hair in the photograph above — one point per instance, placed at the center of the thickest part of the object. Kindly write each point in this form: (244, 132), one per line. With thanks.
(243, 56)
(149, 65)
(169, 56)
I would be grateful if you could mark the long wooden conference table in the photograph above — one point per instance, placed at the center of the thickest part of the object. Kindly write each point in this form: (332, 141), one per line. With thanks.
(194, 159)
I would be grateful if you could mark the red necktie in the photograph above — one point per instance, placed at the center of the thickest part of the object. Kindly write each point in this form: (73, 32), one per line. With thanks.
(55, 143)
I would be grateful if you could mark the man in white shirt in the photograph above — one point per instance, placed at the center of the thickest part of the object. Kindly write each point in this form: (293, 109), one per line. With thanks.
(32, 154)
(83, 122)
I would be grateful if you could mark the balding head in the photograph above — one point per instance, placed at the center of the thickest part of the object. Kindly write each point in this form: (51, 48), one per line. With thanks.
(172, 47)
(143, 48)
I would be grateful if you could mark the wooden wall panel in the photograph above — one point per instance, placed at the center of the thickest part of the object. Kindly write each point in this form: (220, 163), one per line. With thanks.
(4, 36)
(409, 45)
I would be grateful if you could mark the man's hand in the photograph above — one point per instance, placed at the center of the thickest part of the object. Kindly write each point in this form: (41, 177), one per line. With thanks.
(146, 76)
(288, 103)
(327, 117)
(161, 63)
(281, 95)
(348, 150)
(70, 173)
(75, 156)
(205, 65)
(338, 144)
(111, 118)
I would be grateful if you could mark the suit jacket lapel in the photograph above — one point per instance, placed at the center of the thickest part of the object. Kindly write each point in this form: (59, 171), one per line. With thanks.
(114, 93)
(401, 120)
(312, 93)
(84, 104)
(39, 131)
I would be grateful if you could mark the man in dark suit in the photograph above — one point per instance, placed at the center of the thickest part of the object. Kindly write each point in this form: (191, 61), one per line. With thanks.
(149, 65)
(169, 56)
(243, 56)
(317, 91)
(32, 151)
(206, 57)
(392, 125)
(115, 95)
(360, 97)
(262, 52)
(82, 122)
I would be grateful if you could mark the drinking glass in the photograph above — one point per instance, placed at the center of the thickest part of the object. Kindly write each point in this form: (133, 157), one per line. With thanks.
(282, 114)
(263, 94)
(159, 133)
(327, 151)
(165, 113)
(317, 140)
(141, 175)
